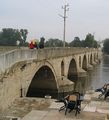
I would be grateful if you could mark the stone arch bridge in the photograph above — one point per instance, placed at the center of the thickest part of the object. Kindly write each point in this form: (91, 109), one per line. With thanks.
(30, 73)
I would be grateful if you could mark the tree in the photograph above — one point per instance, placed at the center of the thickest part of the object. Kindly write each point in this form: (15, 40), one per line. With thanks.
(23, 33)
(95, 44)
(54, 43)
(75, 43)
(106, 46)
(9, 36)
(89, 40)
(83, 43)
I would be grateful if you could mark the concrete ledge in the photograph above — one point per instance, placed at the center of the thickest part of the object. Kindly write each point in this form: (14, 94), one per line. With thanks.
(56, 105)
(35, 115)
(66, 85)
(90, 67)
(82, 73)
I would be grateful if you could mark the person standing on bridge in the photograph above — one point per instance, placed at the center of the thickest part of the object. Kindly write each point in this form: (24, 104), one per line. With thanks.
(41, 43)
(31, 46)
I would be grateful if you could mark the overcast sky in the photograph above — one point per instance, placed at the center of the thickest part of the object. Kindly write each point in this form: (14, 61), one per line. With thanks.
(41, 18)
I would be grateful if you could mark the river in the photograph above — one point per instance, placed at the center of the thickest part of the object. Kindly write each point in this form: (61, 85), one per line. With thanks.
(100, 74)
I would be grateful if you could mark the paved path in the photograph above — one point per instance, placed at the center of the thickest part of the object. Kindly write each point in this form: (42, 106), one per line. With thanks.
(92, 109)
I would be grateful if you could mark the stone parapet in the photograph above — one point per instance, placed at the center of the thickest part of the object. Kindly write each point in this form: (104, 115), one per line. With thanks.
(11, 57)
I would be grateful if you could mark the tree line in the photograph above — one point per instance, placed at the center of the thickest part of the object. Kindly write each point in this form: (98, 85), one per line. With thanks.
(106, 46)
(10, 36)
(89, 42)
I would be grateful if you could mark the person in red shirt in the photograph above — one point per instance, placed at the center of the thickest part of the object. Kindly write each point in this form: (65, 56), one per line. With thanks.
(31, 46)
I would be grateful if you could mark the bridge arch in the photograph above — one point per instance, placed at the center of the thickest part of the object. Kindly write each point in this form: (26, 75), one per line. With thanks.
(91, 60)
(72, 71)
(43, 82)
(97, 55)
(62, 68)
(79, 61)
(94, 56)
(84, 63)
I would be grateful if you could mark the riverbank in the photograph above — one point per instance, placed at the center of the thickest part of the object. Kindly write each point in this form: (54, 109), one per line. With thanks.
(47, 109)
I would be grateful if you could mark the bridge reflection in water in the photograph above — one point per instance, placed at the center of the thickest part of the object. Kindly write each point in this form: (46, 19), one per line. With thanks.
(100, 74)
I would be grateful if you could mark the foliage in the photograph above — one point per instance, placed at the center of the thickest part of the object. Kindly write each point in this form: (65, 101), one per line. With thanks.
(54, 43)
(23, 33)
(75, 43)
(9, 36)
(90, 41)
(106, 46)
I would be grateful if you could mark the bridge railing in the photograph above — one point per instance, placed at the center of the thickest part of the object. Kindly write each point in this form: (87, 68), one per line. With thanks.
(11, 57)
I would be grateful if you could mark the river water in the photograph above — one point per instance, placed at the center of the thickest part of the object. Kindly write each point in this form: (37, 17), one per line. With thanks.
(100, 74)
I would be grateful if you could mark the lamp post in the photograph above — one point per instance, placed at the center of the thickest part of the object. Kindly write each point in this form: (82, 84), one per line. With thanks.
(65, 8)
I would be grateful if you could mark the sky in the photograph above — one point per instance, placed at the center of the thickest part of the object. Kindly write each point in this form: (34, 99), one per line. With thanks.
(42, 18)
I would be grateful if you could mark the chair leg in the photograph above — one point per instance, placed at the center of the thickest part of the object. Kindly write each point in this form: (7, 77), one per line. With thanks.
(70, 110)
(105, 97)
(61, 108)
(100, 95)
(77, 111)
(66, 110)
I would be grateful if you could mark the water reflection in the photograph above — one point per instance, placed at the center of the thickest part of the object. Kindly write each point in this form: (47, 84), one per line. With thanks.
(100, 74)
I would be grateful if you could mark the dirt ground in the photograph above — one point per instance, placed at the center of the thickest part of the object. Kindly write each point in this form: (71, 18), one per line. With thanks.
(22, 106)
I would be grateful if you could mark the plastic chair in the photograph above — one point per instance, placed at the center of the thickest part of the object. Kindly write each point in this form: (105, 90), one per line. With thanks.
(107, 91)
(72, 102)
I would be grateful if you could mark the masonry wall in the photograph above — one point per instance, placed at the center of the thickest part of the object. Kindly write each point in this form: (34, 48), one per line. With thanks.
(11, 57)
(19, 75)
(9, 89)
